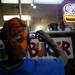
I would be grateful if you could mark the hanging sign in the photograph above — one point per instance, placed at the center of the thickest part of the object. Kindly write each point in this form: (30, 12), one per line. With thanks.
(69, 13)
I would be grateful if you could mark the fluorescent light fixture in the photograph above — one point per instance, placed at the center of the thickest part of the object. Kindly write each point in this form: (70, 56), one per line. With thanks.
(33, 1)
(16, 1)
(23, 17)
(48, 1)
(7, 17)
(9, 1)
(26, 1)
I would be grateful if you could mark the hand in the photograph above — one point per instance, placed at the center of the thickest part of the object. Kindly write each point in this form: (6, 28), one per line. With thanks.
(42, 36)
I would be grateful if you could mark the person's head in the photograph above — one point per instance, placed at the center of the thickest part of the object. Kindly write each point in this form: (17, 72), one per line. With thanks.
(62, 27)
(14, 36)
(54, 26)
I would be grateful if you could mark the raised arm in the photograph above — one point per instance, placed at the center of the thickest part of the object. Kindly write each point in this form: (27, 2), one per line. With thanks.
(43, 36)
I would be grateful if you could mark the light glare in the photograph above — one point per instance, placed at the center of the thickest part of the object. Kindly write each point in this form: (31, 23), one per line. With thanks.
(34, 1)
(39, 28)
(23, 17)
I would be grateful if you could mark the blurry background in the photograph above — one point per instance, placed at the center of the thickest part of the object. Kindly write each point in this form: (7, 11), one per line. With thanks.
(41, 15)
(37, 17)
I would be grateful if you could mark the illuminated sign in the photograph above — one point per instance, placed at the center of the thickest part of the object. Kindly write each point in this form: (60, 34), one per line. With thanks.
(69, 8)
(69, 13)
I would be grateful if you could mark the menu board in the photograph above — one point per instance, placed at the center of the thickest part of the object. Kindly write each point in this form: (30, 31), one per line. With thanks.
(42, 49)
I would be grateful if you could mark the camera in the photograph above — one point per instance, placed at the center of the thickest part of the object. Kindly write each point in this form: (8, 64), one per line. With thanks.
(32, 36)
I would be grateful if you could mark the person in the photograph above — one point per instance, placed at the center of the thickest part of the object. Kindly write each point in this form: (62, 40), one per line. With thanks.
(15, 38)
(64, 27)
(53, 27)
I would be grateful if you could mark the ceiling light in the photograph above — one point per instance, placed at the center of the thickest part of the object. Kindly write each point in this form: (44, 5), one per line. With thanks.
(23, 17)
(35, 1)
(16, 1)
(48, 1)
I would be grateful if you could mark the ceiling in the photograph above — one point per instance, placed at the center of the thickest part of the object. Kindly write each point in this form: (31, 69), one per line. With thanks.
(33, 1)
(66, 1)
